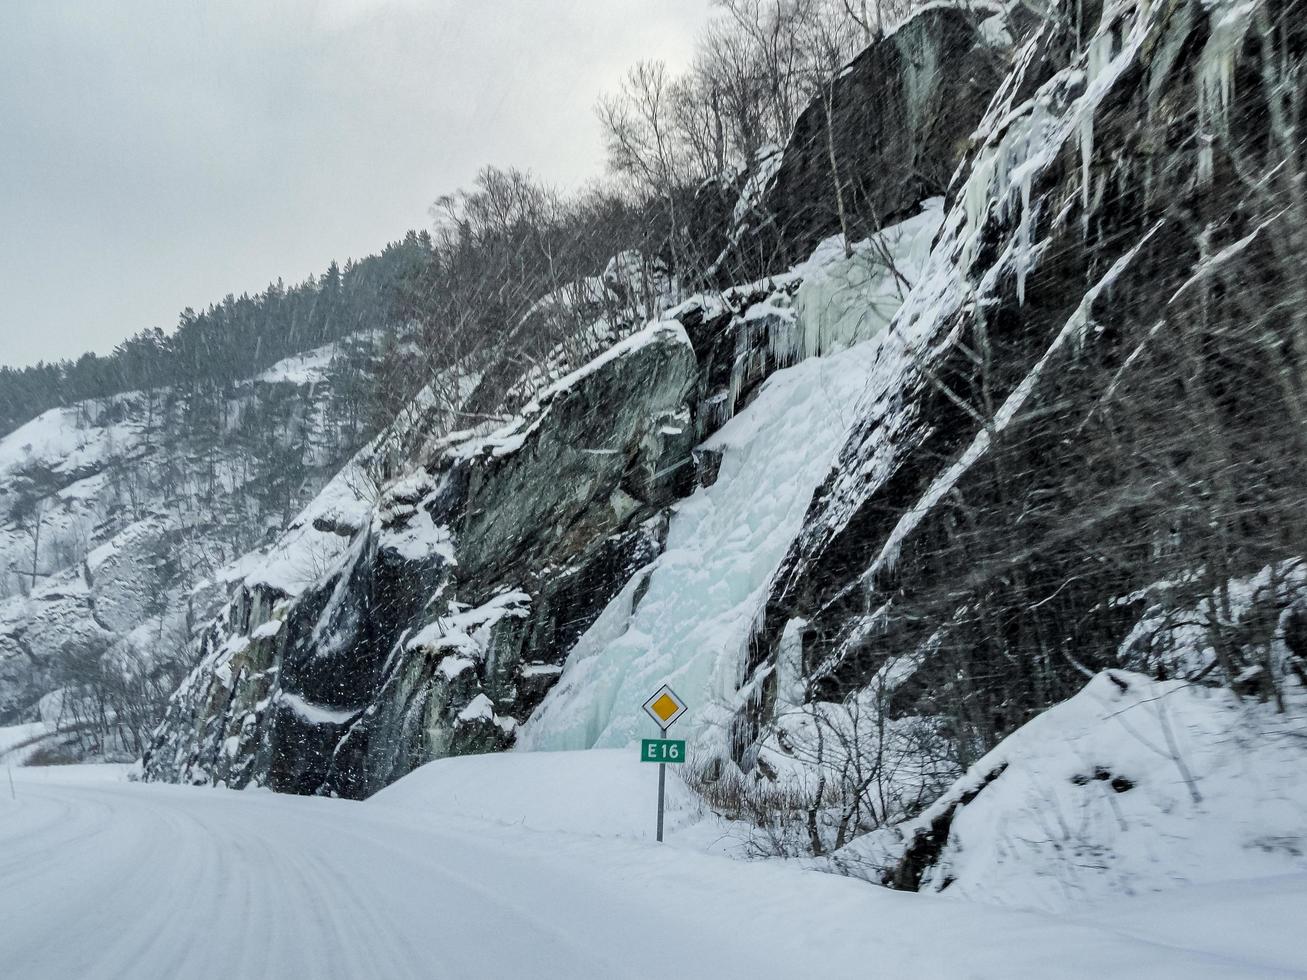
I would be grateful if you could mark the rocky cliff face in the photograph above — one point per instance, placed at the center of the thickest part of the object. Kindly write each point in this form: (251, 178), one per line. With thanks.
(1043, 453)
(1018, 376)
(887, 134)
(452, 609)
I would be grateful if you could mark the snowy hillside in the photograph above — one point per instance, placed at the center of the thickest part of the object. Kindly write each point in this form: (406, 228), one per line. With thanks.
(119, 517)
(492, 584)
(1132, 786)
(933, 425)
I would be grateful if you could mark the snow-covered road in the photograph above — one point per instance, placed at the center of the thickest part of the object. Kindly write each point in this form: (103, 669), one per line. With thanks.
(104, 878)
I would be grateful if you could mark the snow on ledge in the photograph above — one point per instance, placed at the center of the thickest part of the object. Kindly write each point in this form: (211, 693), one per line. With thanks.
(510, 437)
(316, 714)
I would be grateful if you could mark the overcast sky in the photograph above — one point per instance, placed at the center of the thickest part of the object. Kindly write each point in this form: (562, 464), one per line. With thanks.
(157, 154)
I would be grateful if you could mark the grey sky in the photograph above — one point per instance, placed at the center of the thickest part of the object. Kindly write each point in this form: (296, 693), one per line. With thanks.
(156, 154)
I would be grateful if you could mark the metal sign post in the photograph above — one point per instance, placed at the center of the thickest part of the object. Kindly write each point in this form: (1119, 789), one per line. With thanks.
(664, 707)
(662, 785)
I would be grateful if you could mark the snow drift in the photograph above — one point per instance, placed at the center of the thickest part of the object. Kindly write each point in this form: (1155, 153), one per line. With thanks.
(1131, 786)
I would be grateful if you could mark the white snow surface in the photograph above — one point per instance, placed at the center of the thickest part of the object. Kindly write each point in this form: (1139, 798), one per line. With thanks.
(1131, 786)
(307, 368)
(767, 162)
(106, 878)
(708, 587)
(17, 742)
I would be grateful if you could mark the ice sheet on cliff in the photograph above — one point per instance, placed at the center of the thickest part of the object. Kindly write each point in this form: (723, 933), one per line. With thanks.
(723, 546)
(698, 603)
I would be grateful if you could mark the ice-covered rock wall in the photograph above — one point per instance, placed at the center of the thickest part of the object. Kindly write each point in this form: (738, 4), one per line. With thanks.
(684, 619)
(989, 533)
(505, 556)
(687, 618)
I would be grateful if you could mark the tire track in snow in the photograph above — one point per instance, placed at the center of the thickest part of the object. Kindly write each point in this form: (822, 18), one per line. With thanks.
(104, 880)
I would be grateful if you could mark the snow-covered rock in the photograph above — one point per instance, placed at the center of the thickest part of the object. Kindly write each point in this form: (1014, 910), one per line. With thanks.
(1131, 786)
(991, 530)
(434, 629)
(122, 514)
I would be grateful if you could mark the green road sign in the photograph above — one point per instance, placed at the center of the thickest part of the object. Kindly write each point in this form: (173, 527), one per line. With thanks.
(662, 750)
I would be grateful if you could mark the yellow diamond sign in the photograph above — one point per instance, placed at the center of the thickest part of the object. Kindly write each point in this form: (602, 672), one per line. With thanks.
(664, 707)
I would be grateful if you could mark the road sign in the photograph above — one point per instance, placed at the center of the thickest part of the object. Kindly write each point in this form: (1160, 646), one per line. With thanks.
(664, 707)
(662, 750)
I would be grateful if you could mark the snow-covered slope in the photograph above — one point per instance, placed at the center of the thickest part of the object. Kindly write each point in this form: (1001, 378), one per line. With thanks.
(1132, 786)
(118, 516)
(599, 793)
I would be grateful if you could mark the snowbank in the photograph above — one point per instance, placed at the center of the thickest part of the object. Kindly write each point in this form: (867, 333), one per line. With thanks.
(17, 742)
(307, 368)
(601, 793)
(1132, 786)
(284, 886)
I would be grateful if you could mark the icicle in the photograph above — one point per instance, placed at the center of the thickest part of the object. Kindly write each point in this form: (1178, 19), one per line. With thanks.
(1102, 49)
(789, 664)
(1086, 158)
(1216, 80)
(1175, 33)
(1000, 166)
(783, 340)
(1024, 261)
(920, 74)
(976, 198)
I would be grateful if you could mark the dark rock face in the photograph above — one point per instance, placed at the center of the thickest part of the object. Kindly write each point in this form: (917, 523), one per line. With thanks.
(923, 851)
(452, 613)
(733, 348)
(593, 456)
(897, 121)
(996, 506)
